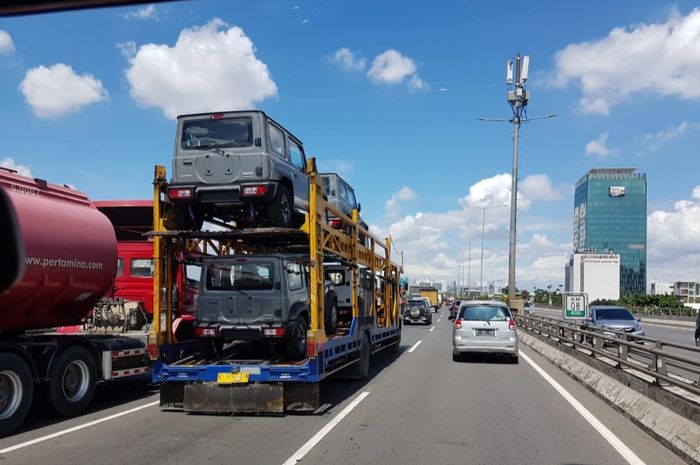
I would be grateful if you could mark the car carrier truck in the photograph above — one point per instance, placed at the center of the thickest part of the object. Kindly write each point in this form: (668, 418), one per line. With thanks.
(254, 370)
(59, 258)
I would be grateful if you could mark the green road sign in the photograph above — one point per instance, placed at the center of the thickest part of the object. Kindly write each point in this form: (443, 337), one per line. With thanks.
(575, 306)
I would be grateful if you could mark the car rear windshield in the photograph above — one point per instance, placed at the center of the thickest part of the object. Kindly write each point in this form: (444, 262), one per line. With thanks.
(240, 276)
(613, 314)
(484, 313)
(415, 303)
(216, 133)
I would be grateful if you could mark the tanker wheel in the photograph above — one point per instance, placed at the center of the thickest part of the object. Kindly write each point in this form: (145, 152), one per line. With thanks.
(16, 392)
(72, 381)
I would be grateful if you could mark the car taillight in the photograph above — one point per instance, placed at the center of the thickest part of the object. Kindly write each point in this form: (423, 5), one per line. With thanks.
(273, 332)
(203, 331)
(253, 190)
(335, 223)
(511, 324)
(458, 324)
(180, 193)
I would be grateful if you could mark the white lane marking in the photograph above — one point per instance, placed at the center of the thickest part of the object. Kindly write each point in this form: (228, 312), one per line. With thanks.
(76, 428)
(413, 347)
(432, 328)
(439, 320)
(303, 450)
(626, 453)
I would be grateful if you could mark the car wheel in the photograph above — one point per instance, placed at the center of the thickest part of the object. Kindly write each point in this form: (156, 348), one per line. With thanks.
(330, 309)
(456, 357)
(281, 209)
(16, 392)
(514, 359)
(72, 384)
(296, 342)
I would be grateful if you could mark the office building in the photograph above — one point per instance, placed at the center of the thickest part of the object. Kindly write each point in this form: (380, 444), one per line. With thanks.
(597, 275)
(610, 217)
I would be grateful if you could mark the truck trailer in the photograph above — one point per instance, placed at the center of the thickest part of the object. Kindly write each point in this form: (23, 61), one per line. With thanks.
(59, 258)
(251, 375)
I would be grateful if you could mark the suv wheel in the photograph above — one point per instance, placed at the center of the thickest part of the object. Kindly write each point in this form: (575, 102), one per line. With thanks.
(296, 343)
(281, 209)
(331, 316)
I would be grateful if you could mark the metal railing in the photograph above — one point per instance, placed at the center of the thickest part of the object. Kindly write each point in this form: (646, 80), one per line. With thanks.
(650, 356)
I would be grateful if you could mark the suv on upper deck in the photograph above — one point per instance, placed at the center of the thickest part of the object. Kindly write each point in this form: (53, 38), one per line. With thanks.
(238, 165)
(258, 297)
(341, 196)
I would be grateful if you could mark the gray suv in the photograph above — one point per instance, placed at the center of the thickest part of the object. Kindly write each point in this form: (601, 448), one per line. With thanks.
(258, 298)
(341, 196)
(239, 165)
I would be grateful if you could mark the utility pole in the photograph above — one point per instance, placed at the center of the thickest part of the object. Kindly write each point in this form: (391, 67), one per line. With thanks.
(469, 267)
(516, 76)
(481, 277)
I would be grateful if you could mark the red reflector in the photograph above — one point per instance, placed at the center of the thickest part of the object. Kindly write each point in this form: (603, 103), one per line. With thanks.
(153, 351)
(185, 193)
(458, 324)
(255, 190)
(273, 332)
(217, 116)
(511, 324)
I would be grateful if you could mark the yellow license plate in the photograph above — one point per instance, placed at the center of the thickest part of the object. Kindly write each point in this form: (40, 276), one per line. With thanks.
(232, 378)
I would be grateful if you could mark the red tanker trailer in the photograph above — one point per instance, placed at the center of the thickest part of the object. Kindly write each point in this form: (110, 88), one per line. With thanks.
(58, 257)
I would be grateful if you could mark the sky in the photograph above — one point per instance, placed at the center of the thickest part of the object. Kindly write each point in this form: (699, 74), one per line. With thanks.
(388, 94)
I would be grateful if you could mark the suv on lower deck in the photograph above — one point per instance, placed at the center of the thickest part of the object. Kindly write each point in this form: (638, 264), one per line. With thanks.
(237, 166)
(258, 298)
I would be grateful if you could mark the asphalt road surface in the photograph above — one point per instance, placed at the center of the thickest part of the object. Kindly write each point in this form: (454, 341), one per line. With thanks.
(417, 407)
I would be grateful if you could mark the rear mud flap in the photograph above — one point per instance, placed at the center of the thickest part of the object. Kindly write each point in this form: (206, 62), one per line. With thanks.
(274, 398)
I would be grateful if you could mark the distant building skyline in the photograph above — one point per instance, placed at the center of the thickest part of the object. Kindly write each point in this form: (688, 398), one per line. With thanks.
(610, 216)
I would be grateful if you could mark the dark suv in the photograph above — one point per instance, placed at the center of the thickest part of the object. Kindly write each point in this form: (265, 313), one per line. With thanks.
(341, 196)
(241, 166)
(417, 311)
(258, 298)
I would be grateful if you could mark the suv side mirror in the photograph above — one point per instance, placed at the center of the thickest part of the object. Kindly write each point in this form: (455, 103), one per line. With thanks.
(257, 141)
(359, 207)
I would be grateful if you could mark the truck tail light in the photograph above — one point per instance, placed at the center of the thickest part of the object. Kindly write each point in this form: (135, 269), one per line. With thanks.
(180, 193)
(458, 323)
(203, 331)
(254, 190)
(273, 332)
(511, 324)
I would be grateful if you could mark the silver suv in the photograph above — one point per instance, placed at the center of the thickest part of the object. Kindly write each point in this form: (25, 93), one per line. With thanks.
(341, 196)
(238, 165)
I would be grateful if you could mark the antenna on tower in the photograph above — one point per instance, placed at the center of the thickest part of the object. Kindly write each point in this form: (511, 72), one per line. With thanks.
(509, 72)
(524, 69)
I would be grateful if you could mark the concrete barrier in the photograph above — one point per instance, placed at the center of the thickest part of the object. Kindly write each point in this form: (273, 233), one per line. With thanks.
(677, 432)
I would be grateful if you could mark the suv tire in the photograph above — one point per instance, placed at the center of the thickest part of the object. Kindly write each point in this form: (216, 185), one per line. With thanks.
(295, 344)
(280, 210)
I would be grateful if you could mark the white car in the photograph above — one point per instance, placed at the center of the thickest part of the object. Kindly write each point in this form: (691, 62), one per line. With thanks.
(484, 326)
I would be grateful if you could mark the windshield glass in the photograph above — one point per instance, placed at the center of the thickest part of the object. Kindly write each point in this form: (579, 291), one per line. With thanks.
(416, 303)
(217, 133)
(484, 312)
(326, 186)
(256, 276)
(613, 314)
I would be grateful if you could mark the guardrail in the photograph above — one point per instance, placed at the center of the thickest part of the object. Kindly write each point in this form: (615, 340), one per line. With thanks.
(681, 314)
(656, 355)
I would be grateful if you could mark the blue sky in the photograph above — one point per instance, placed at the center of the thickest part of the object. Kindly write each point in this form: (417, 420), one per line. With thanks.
(388, 93)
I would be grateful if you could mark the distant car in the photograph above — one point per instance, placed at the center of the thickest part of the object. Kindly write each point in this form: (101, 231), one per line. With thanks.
(613, 317)
(484, 326)
(454, 308)
(417, 311)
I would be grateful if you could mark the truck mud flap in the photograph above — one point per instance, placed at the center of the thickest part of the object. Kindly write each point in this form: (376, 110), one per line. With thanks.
(260, 398)
(249, 398)
(171, 395)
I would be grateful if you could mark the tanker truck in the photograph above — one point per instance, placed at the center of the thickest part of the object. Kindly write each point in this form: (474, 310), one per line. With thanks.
(58, 258)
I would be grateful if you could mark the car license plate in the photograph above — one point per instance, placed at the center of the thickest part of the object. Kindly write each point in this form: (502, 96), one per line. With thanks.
(232, 378)
(485, 332)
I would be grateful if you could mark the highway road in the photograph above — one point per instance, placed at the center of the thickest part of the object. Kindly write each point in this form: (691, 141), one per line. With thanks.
(417, 407)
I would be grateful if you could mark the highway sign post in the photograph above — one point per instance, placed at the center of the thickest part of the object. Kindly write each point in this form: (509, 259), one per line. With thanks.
(575, 306)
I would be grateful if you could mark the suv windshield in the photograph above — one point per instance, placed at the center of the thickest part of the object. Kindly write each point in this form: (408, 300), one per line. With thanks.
(613, 314)
(484, 312)
(217, 133)
(239, 276)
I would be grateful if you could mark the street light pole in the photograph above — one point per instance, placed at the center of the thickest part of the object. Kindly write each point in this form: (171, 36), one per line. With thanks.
(469, 266)
(481, 277)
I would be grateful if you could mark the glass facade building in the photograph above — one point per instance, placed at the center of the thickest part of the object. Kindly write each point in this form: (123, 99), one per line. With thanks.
(610, 216)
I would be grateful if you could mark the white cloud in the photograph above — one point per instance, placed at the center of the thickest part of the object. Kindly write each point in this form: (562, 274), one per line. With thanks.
(660, 58)
(209, 68)
(127, 49)
(674, 241)
(598, 147)
(6, 44)
(58, 90)
(495, 191)
(10, 163)
(391, 67)
(394, 204)
(148, 12)
(652, 142)
(346, 59)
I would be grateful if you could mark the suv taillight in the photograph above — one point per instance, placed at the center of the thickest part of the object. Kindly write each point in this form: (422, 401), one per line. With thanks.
(511, 324)
(334, 223)
(254, 190)
(458, 323)
(203, 331)
(180, 193)
(273, 332)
